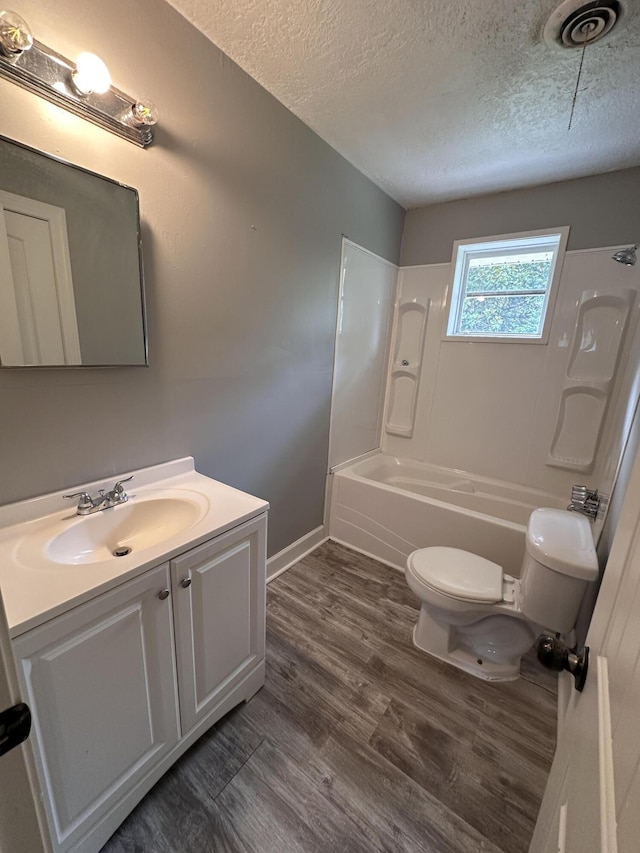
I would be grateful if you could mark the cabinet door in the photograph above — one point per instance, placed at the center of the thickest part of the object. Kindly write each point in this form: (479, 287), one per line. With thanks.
(219, 612)
(101, 684)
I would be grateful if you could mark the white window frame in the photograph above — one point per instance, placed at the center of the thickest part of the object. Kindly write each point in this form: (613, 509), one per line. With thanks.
(505, 244)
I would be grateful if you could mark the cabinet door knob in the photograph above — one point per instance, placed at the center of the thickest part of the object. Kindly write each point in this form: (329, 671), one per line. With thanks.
(164, 594)
(185, 583)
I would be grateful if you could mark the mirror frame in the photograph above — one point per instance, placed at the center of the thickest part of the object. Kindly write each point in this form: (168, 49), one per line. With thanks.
(143, 306)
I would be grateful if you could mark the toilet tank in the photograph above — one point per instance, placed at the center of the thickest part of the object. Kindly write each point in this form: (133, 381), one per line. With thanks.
(559, 562)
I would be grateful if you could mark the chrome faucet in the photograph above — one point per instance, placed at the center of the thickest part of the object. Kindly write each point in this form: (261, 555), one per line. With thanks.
(584, 500)
(88, 505)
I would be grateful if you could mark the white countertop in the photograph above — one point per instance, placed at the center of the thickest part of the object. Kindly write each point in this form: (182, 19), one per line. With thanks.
(35, 590)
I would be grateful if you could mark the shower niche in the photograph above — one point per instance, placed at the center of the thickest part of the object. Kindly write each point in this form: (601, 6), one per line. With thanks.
(598, 338)
(407, 350)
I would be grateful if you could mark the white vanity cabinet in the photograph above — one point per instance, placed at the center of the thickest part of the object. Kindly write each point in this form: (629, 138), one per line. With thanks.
(122, 685)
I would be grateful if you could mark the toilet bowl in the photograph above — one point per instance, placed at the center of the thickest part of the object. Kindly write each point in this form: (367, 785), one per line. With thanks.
(480, 619)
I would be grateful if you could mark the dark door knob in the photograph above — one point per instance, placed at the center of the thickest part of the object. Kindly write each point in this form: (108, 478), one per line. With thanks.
(15, 725)
(553, 654)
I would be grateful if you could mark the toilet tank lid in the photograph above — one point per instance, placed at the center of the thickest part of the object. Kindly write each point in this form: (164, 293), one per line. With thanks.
(458, 573)
(563, 541)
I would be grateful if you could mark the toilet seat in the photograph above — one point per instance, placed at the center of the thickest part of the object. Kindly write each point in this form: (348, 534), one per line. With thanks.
(458, 574)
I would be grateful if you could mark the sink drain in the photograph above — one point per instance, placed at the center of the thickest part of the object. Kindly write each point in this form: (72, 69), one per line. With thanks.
(121, 551)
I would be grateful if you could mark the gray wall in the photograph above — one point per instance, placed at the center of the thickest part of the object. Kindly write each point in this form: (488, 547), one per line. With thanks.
(603, 210)
(243, 208)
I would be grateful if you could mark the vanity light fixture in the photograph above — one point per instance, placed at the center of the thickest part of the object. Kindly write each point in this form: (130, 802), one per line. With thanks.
(84, 87)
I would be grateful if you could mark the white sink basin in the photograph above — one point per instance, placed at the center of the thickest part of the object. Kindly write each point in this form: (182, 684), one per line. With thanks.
(128, 528)
(147, 522)
(52, 559)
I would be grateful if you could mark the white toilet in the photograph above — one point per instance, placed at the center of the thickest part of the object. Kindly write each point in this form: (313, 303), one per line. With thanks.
(482, 620)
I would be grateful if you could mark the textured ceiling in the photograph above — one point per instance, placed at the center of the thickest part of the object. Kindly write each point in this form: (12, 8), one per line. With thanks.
(440, 99)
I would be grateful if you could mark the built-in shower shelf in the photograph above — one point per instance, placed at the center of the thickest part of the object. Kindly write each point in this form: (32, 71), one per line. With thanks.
(404, 389)
(578, 427)
(407, 348)
(598, 334)
(598, 338)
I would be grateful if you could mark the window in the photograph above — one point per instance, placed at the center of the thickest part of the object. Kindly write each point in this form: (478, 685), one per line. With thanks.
(503, 288)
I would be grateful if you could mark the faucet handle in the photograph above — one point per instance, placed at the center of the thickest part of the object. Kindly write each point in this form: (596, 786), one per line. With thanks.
(593, 498)
(118, 486)
(85, 501)
(585, 500)
(117, 495)
(579, 493)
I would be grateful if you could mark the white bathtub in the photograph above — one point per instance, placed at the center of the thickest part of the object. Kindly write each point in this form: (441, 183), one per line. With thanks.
(387, 507)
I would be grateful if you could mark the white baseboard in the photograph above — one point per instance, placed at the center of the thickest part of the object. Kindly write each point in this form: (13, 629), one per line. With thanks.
(290, 555)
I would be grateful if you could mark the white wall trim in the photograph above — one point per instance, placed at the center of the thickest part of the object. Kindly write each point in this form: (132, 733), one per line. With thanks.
(423, 266)
(608, 822)
(596, 249)
(369, 252)
(293, 553)
(336, 330)
(567, 252)
(328, 492)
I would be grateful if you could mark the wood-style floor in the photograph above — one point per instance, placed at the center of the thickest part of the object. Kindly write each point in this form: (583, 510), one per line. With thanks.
(358, 742)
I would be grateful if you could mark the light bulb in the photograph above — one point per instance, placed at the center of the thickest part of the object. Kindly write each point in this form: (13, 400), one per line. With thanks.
(15, 35)
(91, 75)
(144, 113)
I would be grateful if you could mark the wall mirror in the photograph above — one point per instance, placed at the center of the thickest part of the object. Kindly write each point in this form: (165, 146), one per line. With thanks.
(71, 287)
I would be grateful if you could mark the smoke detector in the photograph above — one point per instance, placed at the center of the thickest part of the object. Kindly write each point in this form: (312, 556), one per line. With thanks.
(576, 23)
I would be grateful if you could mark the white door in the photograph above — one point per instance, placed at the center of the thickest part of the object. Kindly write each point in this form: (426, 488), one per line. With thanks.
(21, 827)
(592, 800)
(38, 322)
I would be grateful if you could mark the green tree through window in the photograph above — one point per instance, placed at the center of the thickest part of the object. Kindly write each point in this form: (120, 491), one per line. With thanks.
(507, 315)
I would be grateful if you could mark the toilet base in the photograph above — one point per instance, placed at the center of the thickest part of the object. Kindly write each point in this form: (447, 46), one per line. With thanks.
(467, 647)
(487, 671)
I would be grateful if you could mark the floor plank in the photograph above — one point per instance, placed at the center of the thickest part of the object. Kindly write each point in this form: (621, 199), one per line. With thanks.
(358, 741)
